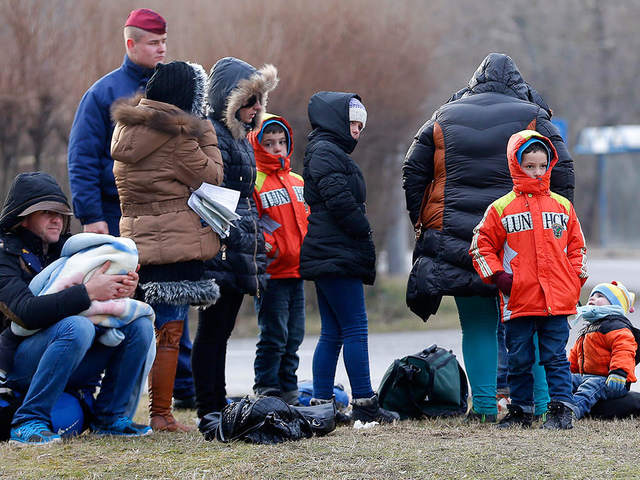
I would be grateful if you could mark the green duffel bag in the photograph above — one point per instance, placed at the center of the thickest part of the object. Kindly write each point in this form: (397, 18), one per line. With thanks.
(430, 383)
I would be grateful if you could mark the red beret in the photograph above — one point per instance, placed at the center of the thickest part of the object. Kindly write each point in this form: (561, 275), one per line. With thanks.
(147, 20)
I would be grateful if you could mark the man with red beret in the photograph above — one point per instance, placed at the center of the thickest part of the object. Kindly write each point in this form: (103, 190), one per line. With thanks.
(93, 188)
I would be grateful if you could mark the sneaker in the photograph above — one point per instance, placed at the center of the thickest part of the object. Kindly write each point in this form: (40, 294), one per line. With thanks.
(559, 417)
(516, 417)
(123, 427)
(368, 410)
(33, 432)
(188, 403)
(475, 417)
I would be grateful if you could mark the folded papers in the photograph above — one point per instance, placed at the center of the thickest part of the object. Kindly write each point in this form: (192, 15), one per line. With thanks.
(216, 206)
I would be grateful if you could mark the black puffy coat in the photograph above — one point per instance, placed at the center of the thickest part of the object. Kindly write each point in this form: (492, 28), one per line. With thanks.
(240, 265)
(459, 158)
(338, 241)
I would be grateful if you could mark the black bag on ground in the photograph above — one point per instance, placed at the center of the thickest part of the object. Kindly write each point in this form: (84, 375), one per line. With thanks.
(430, 383)
(267, 420)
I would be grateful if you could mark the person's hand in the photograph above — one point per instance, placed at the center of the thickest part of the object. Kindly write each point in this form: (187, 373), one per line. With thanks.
(129, 284)
(97, 227)
(616, 385)
(102, 286)
(503, 281)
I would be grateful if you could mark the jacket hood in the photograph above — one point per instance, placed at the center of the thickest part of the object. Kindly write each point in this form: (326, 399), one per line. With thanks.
(26, 190)
(499, 73)
(329, 116)
(265, 161)
(162, 121)
(521, 181)
(231, 83)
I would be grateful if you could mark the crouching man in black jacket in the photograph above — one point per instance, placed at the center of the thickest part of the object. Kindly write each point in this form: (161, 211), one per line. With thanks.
(62, 354)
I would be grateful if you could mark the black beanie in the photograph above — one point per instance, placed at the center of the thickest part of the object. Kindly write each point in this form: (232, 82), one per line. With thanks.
(175, 83)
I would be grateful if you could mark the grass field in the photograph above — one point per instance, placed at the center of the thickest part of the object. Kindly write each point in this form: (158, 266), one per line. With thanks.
(439, 449)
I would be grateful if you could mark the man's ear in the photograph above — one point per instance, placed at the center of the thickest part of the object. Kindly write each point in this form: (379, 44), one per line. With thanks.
(130, 43)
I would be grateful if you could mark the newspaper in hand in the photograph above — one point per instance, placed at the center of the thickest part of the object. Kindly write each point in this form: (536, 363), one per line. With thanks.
(216, 206)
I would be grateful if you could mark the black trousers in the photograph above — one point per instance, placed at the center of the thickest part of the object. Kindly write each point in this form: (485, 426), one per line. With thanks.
(209, 353)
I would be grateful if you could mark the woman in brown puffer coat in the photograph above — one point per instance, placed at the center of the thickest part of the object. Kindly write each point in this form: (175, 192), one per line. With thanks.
(163, 149)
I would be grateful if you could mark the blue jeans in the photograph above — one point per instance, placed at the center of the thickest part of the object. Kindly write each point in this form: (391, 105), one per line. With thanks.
(65, 355)
(540, 390)
(587, 391)
(281, 321)
(183, 386)
(344, 322)
(553, 333)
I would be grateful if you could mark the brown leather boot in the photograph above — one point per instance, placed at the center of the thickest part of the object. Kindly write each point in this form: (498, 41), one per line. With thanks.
(162, 376)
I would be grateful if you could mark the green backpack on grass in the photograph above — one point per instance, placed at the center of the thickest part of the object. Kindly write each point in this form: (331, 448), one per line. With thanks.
(430, 383)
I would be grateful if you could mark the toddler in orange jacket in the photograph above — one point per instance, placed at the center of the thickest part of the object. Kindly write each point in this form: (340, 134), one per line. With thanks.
(530, 245)
(279, 198)
(603, 359)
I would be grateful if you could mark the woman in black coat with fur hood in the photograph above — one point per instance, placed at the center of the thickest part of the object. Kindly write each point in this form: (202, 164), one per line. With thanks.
(237, 97)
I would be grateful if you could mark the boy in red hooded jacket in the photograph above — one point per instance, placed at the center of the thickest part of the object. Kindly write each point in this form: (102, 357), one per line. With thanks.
(283, 214)
(530, 245)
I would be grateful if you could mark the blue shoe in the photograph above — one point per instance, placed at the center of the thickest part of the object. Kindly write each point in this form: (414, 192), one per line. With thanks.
(33, 432)
(122, 427)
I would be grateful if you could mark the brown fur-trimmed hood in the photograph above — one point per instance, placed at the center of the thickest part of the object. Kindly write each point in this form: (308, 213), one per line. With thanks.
(159, 121)
(231, 83)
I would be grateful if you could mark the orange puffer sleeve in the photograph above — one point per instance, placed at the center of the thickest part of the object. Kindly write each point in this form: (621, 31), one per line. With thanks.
(487, 244)
(623, 351)
(576, 249)
(573, 357)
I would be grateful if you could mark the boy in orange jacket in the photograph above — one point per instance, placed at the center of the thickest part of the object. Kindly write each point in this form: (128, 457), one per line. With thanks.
(283, 214)
(603, 359)
(530, 245)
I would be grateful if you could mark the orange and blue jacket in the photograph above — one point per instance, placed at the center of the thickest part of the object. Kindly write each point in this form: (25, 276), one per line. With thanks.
(279, 197)
(605, 346)
(535, 235)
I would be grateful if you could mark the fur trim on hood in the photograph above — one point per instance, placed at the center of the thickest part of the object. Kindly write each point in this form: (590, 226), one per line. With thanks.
(159, 116)
(201, 293)
(231, 83)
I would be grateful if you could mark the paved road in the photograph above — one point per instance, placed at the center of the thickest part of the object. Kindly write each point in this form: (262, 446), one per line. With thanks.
(384, 348)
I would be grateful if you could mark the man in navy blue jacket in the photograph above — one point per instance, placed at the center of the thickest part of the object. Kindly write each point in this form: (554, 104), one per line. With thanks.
(93, 189)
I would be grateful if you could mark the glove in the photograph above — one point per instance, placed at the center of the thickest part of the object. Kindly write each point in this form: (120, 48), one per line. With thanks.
(616, 385)
(503, 281)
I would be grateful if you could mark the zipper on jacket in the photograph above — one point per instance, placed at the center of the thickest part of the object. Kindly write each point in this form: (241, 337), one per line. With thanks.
(223, 250)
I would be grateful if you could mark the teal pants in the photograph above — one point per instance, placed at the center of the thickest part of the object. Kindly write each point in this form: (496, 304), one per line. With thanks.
(479, 319)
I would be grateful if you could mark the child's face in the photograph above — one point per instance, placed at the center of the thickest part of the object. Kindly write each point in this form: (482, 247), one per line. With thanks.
(355, 128)
(275, 143)
(534, 164)
(598, 300)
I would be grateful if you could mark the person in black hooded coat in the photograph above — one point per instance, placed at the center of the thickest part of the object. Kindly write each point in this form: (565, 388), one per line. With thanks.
(455, 167)
(338, 251)
(237, 96)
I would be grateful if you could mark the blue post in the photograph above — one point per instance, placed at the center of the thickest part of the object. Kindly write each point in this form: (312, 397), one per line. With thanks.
(603, 208)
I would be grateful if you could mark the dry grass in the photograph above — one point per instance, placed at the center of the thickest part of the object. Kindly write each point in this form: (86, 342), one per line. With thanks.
(430, 449)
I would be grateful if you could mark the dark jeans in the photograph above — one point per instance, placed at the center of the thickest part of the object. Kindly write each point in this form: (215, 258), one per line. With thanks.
(208, 357)
(553, 333)
(281, 321)
(183, 386)
(344, 322)
(503, 365)
(65, 355)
